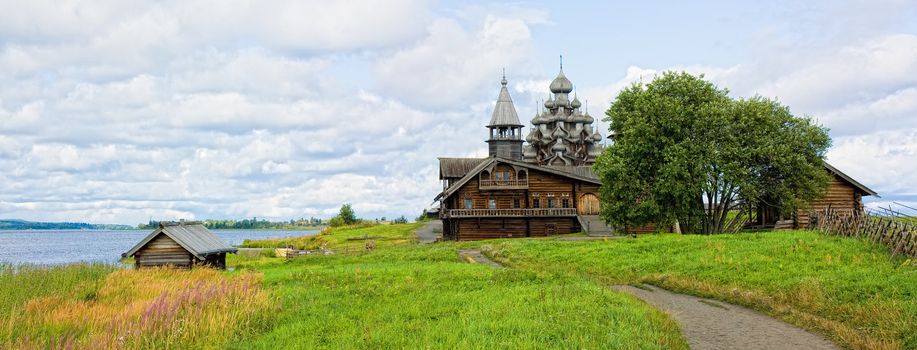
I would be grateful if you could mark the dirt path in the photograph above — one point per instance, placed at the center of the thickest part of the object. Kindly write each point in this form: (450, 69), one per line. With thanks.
(430, 232)
(709, 324)
(475, 256)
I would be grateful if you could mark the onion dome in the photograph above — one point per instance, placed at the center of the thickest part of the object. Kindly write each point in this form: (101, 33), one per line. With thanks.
(559, 146)
(596, 137)
(561, 84)
(549, 104)
(575, 103)
(531, 137)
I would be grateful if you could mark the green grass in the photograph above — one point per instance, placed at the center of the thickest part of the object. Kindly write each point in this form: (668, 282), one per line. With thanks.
(367, 302)
(348, 238)
(411, 296)
(848, 289)
(404, 295)
(19, 284)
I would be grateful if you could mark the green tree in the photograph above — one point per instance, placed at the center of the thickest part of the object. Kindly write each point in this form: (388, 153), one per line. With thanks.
(685, 152)
(345, 217)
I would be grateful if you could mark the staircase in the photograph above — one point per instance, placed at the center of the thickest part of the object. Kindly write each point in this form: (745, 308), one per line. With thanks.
(594, 226)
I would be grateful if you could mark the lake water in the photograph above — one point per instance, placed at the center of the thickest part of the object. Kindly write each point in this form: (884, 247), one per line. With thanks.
(55, 247)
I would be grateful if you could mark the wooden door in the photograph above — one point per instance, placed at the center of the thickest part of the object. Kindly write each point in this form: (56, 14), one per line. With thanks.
(588, 204)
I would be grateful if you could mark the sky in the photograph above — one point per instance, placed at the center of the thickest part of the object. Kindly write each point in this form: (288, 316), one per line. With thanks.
(122, 112)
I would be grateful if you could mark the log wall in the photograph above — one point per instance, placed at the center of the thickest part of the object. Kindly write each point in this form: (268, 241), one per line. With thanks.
(489, 228)
(541, 185)
(163, 251)
(840, 195)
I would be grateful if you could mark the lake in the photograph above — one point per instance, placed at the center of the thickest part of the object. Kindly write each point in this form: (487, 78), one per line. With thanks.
(56, 247)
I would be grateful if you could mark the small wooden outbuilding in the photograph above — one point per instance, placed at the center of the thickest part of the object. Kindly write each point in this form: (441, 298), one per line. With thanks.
(180, 244)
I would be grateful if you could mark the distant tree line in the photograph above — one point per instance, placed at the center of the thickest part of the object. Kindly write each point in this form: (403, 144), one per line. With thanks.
(250, 224)
(31, 225)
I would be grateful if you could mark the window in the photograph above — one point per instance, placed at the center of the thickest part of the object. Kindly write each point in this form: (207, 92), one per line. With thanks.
(565, 203)
(550, 202)
(492, 203)
(468, 203)
(516, 203)
(536, 203)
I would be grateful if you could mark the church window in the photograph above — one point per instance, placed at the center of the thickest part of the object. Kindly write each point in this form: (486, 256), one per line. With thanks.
(536, 203)
(551, 203)
(468, 203)
(516, 203)
(565, 203)
(492, 203)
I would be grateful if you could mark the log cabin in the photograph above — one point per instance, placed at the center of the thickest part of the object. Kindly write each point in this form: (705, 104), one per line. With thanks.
(181, 244)
(540, 186)
(844, 195)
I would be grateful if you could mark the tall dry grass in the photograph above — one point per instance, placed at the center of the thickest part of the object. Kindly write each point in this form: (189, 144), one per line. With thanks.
(150, 308)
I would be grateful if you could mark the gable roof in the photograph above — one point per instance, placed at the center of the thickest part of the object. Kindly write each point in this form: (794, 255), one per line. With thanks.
(457, 167)
(850, 180)
(560, 171)
(192, 236)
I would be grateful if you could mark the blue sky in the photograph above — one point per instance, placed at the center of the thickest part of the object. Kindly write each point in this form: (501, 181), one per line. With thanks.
(118, 113)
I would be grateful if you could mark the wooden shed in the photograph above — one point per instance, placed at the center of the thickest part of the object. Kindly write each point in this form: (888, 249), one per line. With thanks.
(180, 244)
(844, 194)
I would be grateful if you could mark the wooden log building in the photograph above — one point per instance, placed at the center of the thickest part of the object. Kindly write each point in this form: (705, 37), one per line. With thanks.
(542, 188)
(544, 185)
(181, 244)
(844, 195)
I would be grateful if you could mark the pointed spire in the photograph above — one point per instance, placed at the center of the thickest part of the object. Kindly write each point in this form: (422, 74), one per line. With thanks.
(504, 111)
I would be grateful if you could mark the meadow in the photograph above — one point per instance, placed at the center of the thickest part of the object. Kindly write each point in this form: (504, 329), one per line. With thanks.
(399, 294)
(847, 289)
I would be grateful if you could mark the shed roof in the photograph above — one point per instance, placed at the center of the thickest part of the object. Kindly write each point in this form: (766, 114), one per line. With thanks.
(191, 235)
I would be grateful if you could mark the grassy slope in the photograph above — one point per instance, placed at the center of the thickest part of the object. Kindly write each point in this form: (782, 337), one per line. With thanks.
(848, 289)
(404, 295)
(409, 296)
(99, 307)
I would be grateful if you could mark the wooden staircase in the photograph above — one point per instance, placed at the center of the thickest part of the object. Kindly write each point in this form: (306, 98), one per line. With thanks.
(594, 226)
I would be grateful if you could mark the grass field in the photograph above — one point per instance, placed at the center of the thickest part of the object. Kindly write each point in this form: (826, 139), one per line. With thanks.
(100, 307)
(848, 289)
(404, 295)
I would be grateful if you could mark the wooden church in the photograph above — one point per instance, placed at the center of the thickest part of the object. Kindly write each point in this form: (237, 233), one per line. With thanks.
(539, 186)
(544, 184)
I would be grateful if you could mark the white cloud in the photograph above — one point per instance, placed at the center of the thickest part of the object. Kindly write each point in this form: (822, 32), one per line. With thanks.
(115, 112)
(452, 64)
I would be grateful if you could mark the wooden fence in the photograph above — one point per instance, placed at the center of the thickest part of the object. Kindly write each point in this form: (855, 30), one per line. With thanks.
(899, 236)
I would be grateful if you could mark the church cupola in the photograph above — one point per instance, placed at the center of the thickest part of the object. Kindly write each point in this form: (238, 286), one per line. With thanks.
(505, 129)
(563, 133)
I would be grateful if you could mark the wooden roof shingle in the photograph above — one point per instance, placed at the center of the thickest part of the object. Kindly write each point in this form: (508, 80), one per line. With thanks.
(450, 168)
(191, 235)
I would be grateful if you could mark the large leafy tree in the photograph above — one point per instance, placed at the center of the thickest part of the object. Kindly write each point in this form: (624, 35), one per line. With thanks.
(685, 152)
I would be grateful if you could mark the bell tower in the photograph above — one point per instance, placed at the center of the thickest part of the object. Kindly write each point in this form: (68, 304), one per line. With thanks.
(505, 129)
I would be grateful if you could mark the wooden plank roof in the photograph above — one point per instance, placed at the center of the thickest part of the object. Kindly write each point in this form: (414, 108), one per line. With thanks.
(191, 235)
(451, 168)
(569, 172)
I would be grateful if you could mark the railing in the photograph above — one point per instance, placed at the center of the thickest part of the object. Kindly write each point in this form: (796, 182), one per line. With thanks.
(516, 184)
(470, 213)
